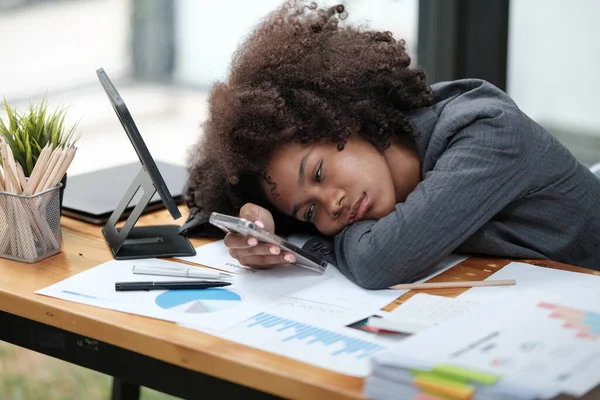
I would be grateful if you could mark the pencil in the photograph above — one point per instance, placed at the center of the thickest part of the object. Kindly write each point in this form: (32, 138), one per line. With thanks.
(38, 169)
(63, 152)
(12, 183)
(25, 236)
(55, 154)
(64, 166)
(2, 180)
(21, 175)
(445, 285)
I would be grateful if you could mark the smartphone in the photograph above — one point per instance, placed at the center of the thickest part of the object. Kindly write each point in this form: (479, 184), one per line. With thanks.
(246, 228)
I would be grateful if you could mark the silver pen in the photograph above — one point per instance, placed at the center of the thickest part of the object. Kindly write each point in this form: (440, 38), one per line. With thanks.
(200, 273)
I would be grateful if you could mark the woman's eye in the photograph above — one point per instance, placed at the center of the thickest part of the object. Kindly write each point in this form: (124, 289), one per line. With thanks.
(318, 173)
(308, 215)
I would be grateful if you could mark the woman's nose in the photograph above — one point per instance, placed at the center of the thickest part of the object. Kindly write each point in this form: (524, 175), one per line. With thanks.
(334, 202)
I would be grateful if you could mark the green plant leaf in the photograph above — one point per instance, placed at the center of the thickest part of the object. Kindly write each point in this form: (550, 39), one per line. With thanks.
(29, 132)
(13, 117)
(29, 162)
(18, 148)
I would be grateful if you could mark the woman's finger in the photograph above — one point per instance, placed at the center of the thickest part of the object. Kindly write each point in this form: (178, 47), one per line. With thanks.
(251, 212)
(234, 241)
(262, 261)
(262, 249)
(258, 215)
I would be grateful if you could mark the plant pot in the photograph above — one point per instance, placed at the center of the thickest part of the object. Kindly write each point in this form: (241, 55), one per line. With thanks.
(30, 225)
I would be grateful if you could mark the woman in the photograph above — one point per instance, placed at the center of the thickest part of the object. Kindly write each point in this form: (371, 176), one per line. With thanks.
(333, 127)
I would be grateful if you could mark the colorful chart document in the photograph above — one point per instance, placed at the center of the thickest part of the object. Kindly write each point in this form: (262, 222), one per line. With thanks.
(535, 342)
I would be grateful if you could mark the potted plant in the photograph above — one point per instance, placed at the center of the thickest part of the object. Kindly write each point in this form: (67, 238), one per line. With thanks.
(36, 150)
(28, 133)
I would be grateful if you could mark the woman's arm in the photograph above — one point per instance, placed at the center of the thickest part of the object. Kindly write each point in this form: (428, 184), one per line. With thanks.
(482, 170)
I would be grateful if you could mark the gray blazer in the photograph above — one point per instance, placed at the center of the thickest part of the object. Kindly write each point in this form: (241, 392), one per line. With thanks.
(495, 183)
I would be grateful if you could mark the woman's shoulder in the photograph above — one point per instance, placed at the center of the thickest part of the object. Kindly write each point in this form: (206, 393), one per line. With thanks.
(461, 102)
(472, 109)
(464, 84)
(474, 93)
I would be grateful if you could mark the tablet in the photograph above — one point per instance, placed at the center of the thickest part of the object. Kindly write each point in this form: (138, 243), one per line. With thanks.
(138, 143)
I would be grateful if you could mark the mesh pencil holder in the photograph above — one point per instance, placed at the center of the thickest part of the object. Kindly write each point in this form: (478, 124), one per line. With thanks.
(30, 225)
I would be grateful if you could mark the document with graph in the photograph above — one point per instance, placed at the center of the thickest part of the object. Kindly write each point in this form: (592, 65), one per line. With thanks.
(303, 315)
(316, 318)
(536, 341)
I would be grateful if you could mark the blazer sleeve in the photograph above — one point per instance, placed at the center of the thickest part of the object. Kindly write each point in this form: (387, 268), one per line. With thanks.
(481, 171)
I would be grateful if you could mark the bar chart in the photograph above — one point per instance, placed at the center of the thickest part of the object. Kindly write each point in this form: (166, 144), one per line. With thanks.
(341, 349)
(296, 331)
(586, 324)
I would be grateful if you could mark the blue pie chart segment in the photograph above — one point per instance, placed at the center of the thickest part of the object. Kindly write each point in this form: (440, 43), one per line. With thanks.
(198, 301)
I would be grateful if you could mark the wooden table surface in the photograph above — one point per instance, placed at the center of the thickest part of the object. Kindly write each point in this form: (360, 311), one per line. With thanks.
(83, 247)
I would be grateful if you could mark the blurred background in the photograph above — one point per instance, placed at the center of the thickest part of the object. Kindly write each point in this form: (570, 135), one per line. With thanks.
(163, 55)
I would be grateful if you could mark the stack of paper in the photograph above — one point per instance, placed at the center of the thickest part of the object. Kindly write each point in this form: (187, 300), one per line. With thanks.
(532, 348)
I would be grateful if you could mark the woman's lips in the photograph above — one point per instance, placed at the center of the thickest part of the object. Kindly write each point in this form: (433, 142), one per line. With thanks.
(359, 209)
(363, 207)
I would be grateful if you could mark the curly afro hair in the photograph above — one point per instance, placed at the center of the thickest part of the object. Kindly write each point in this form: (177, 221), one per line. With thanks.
(299, 76)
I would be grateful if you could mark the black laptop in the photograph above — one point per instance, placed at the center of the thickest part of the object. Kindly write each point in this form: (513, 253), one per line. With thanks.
(92, 197)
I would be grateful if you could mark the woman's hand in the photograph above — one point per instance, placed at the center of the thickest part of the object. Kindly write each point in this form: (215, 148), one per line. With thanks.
(248, 250)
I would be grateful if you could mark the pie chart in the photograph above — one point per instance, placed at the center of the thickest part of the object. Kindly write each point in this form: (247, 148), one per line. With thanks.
(198, 301)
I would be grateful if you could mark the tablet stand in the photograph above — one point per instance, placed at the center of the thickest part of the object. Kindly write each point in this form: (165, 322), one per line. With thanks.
(130, 242)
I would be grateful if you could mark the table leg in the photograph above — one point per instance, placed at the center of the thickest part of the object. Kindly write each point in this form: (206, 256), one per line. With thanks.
(123, 390)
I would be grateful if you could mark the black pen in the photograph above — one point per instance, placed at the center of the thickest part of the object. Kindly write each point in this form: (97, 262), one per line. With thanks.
(169, 285)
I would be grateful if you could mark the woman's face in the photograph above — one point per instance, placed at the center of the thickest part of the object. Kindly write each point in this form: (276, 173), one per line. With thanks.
(317, 183)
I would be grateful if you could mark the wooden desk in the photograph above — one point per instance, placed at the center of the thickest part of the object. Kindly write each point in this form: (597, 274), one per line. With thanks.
(160, 354)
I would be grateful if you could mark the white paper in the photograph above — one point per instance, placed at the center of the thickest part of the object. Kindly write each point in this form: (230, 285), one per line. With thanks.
(523, 341)
(430, 308)
(447, 263)
(421, 312)
(250, 293)
(215, 309)
(321, 337)
(216, 255)
(330, 288)
(583, 288)
(325, 303)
